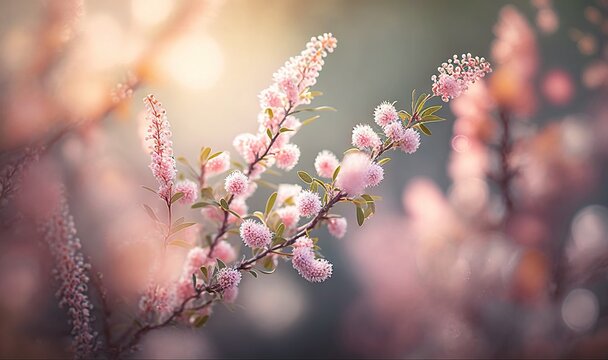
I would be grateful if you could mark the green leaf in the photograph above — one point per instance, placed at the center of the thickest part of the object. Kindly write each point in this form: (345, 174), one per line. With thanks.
(201, 204)
(367, 198)
(180, 243)
(259, 215)
(151, 213)
(420, 102)
(269, 133)
(360, 216)
(430, 110)
(200, 321)
(305, 177)
(413, 97)
(384, 161)
(204, 154)
(269, 113)
(280, 230)
(205, 272)
(207, 193)
(176, 197)
(425, 130)
(351, 150)
(270, 203)
(215, 155)
(282, 130)
(310, 119)
(315, 93)
(336, 172)
(268, 263)
(318, 108)
(254, 273)
(224, 204)
(235, 213)
(180, 227)
(220, 264)
(431, 118)
(194, 281)
(150, 189)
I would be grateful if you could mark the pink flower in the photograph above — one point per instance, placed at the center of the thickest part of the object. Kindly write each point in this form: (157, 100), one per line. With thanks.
(411, 141)
(71, 272)
(365, 137)
(337, 227)
(456, 75)
(287, 192)
(326, 163)
(375, 175)
(224, 251)
(385, 113)
(395, 131)
(161, 148)
(236, 183)
(197, 257)
(311, 269)
(231, 294)
(228, 278)
(287, 157)
(353, 174)
(289, 216)
(154, 302)
(189, 189)
(308, 203)
(255, 234)
(218, 164)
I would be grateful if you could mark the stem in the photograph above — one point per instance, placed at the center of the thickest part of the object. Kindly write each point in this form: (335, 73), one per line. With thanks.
(505, 175)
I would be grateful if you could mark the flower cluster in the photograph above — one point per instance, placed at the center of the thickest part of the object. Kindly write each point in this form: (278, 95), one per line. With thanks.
(304, 261)
(161, 148)
(71, 271)
(456, 75)
(255, 234)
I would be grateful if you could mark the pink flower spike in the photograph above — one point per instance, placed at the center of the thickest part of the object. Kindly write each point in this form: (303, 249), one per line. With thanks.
(456, 75)
(311, 269)
(236, 183)
(161, 148)
(255, 234)
(326, 163)
(352, 177)
(287, 157)
(189, 189)
(289, 216)
(411, 141)
(218, 164)
(365, 137)
(228, 278)
(308, 203)
(385, 113)
(337, 227)
(395, 131)
(375, 175)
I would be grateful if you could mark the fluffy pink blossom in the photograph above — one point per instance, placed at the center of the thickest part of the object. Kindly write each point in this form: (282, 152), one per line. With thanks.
(326, 163)
(365, 137)
(71, 272)
(310, 268)
(249, 146)
(456, 75)
(308, 203)
(375, 175)
(197, 257)
(228, 278)
(255, 234)
(190, 190)
(385, 113)
(161, 148)
(352, 177)
(337, 227)
(289, 216)
(218, 164)
(287, 192)
(411, 141)
(154, 303)
(287, 157)
(236, 183)
(224, 251)
(231, 294)
(395, 131)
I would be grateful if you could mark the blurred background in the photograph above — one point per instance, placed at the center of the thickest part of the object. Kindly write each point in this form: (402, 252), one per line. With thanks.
(443, 269)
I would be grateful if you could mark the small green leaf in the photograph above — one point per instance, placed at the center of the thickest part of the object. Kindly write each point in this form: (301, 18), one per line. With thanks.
(430, 110)
(367, 198)
(235, 213)
(193, 280)
(360, 216)
(282, 130)
(150, 189)
(310, 119)
(220, 264)
(200, 321)
(269, 133)
(176, 197)
(270, 203)
(269, 113)
(384, 161)
(207, 193)
(215, 155)
(280, 230)
(305, 177)
(201, 204)
(351, 150)
(180, 227)
(151, 213)
(259, 215)
(205, 272)
(204, 154)
(180, 243)
(431, 118)
(254, 273)
(336, 172)
(224, 204)
(425, 130)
